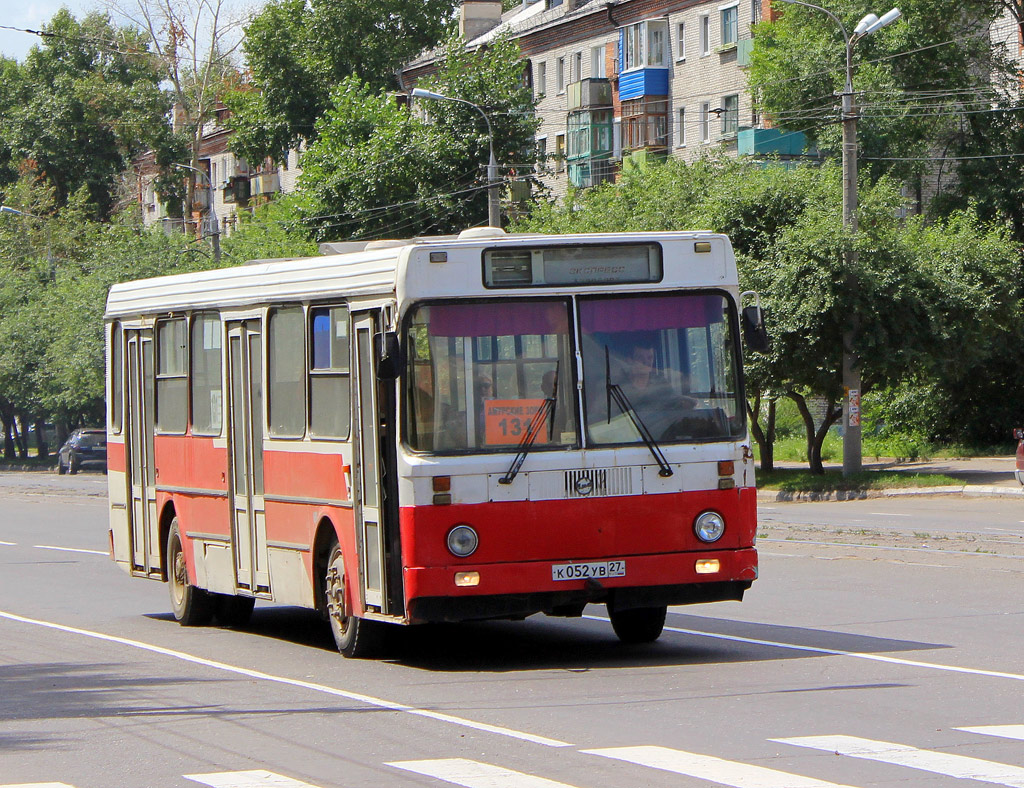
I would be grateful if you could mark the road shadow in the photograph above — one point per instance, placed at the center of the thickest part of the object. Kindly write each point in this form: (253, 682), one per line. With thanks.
(544, 643)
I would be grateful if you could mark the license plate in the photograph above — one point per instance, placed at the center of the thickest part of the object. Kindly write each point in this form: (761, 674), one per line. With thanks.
(585, 571)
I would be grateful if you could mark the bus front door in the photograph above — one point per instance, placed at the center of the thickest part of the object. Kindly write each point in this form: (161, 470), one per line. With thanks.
(245, 448)
(370, 508)
(139, 463)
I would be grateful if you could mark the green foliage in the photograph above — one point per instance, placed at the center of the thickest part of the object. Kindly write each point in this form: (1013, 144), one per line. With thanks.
(377, 169)
(299, 51)
(275, 230)
(83, 103)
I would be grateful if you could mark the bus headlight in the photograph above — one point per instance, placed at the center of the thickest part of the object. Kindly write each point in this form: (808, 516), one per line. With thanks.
(709, 526)
(462, 541)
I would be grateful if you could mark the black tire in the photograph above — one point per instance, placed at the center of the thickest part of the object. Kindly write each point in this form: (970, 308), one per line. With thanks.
(60, 466)
(231, 610)
(638, 624)
(356, 638)
(72, 465)
(192, 607)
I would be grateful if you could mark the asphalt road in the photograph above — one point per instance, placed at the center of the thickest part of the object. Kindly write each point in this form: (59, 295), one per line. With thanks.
(897, 661)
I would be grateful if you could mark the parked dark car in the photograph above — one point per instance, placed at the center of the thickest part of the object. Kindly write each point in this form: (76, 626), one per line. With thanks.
(85, 448)
(1019, 472)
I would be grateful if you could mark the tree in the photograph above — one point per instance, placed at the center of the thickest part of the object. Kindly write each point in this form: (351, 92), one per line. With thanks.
(913, 79)
(298, 51)
(377, 169)
(923, 292)
(81, 106)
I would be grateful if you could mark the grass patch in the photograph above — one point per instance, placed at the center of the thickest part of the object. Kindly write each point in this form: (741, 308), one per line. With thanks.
(800, 480)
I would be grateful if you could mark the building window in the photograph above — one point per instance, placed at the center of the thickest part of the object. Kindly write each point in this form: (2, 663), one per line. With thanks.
(730, 18)
(681, 134)
(730, 114)
(705, 35)
(705, 126)
(681, 41)
(542, 79)
(644, 44)
(597, 66)
(560, 75)
(560, 153)
(577, 67)
(755, 11)
(644, 123)
(542, 153)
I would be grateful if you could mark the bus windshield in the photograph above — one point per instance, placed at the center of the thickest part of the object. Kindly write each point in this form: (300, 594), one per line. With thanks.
(481, 373)
(673, 360)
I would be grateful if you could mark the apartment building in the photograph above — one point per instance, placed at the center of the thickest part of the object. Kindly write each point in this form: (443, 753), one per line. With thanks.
(227, 185)
(621, 81)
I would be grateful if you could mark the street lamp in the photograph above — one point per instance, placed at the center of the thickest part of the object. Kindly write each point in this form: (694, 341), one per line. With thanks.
(212, 227)
(851, 367)
(493, 205)
(46, 224)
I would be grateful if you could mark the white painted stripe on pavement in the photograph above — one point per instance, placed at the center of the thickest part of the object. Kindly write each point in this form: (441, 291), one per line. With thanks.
(36, 785)
(707, 767)
(15, 544)
(309, 685)
(960, 766)
(473, 774)
(251, 779)
(70, 549)
(1004, 731)
(837, 652)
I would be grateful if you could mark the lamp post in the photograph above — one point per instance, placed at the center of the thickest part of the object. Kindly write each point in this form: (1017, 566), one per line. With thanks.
(851, 363)
(493, 204)
(46, 224)
(213, 228)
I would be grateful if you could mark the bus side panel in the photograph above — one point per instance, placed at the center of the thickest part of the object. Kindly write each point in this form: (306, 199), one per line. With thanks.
(207, 467)
(306, 474)
(580, 529)
(117, 498)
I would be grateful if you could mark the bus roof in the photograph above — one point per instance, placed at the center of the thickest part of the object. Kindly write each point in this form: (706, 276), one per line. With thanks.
(372, 271)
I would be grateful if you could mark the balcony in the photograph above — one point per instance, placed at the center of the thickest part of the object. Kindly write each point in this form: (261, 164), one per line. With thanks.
(743, 49)
(592, 92)
(764, 142)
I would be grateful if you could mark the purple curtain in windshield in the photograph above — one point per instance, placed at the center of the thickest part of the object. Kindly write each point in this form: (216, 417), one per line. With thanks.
(506, 318)
(651, 313)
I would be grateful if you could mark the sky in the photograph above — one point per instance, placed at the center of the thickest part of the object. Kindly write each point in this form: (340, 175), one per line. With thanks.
(32, 15)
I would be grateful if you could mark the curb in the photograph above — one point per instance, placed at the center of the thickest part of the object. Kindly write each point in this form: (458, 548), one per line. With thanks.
(966, 490)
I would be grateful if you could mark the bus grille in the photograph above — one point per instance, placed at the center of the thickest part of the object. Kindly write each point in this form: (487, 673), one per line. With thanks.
(598, 483)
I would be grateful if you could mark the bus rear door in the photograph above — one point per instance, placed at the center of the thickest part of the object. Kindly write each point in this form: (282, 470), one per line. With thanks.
(139, 462)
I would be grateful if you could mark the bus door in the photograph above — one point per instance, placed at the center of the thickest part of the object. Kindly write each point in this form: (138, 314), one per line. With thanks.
(245, 448)
(139, 463)
(375, 481)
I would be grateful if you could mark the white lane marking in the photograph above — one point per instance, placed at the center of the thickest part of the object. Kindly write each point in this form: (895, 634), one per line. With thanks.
(959, 766)
(70, 549)
(256, 778)
(36, 785)
(891, 514)
(309, 685)
(837, 652)
(707, 767)
(473, 774)
(15, 544)
(1003, 731)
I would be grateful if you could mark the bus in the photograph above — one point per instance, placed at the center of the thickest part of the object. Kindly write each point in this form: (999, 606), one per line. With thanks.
(440, 429)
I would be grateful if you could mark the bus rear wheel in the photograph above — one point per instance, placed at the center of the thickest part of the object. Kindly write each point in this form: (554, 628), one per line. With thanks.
(191, 606)
(638, 624)
(355, 637)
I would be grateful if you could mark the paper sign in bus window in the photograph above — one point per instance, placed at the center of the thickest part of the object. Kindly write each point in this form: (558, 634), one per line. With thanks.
(508, 420)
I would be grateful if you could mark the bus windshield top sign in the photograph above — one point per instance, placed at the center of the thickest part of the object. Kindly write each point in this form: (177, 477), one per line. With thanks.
(573, 265)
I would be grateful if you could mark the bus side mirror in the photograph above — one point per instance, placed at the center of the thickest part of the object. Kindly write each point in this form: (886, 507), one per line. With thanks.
(388, 351)
(754, 332)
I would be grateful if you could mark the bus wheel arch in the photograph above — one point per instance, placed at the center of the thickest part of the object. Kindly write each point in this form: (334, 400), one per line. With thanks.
(167, 517)
(355, 637)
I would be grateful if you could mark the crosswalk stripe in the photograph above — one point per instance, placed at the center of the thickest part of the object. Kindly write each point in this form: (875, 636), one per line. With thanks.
(707, 767)
(1004, 731)
(960, 766)
(256, 778)
(473, 774)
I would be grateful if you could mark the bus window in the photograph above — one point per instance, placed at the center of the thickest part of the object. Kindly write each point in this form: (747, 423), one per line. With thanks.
(673, 359)
(287, 373)
(329, 399)
(479, 373)
(171, 381)
(116, 378)
(205, 360)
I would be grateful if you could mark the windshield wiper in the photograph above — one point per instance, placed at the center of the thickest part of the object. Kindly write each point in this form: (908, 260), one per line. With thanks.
(544, 412)
(614, 391)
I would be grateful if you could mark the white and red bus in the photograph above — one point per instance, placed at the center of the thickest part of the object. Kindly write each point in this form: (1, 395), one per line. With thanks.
(439, 429)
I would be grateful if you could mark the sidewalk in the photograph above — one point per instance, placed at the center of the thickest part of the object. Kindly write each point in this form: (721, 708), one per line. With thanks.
(980, 476)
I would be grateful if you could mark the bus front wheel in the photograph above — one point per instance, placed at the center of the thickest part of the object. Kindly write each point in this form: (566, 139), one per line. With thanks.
(638, 624)
(355, 637)
(191, 606)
